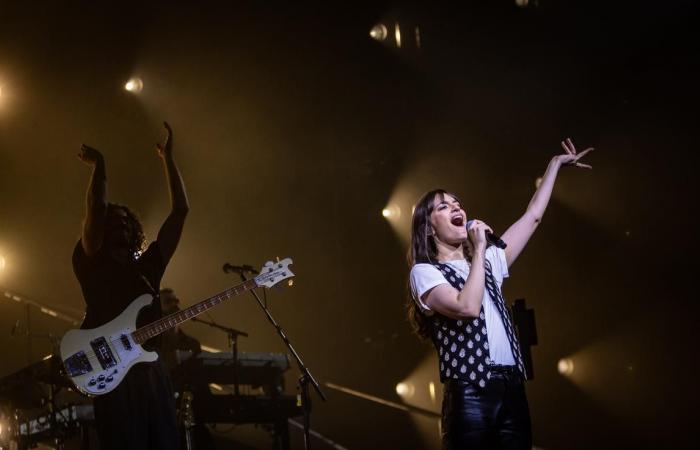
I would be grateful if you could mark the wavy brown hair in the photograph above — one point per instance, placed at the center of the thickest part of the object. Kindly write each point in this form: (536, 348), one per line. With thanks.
(138, 238)
(422, 249)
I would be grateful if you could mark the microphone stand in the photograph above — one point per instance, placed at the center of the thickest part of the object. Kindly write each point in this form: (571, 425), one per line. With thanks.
(233, 344)
(305, 377)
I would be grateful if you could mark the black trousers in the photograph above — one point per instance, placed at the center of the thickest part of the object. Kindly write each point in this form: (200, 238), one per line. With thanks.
(494, 417)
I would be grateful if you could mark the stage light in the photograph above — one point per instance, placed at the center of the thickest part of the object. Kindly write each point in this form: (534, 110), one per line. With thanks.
(2, 262)
(527, 3)
(391, 212)
(134, 85)
(405, 390)
(378, 32)
(431, 390)
(398, 33)
(566, 366)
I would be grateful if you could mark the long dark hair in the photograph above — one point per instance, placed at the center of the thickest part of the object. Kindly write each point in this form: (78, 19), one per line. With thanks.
(138, 239)
(422, 249)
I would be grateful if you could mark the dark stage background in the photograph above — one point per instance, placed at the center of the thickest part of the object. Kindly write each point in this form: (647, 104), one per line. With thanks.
(294, 129)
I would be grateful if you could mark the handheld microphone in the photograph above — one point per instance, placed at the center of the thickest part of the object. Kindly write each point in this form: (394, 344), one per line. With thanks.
(245, 268)
(491, 238)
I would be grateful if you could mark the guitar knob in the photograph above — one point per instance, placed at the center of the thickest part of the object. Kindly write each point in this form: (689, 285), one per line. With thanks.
(109, 379)
(92, 382)
(101, 378)
(101, 386)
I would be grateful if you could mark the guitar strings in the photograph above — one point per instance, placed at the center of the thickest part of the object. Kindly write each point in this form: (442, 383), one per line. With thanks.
(94, 360)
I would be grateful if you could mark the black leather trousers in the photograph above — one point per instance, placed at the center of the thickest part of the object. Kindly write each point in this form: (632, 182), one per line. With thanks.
(494, 417)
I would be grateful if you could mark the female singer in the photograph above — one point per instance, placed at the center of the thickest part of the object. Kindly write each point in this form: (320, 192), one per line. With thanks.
(456, 301)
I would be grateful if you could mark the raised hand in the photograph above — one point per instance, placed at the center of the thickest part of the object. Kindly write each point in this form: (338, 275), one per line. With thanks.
(166, 148)
(571, 157)
(89, 155)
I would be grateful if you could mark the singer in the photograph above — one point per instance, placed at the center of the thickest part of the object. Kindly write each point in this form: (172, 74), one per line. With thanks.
(456, 301)
(112, 270)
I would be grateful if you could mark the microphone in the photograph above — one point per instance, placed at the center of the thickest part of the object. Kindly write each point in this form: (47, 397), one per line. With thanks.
(245, 268)
(491, 238)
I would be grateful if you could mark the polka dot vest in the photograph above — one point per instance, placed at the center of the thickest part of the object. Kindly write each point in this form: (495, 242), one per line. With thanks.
(462, 345)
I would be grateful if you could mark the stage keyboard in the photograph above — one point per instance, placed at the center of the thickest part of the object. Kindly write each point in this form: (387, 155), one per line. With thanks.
(265, 370)
(254, 368)
(67, 417)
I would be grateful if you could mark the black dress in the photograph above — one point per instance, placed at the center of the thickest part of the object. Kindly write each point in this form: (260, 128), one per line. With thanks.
(139, 414)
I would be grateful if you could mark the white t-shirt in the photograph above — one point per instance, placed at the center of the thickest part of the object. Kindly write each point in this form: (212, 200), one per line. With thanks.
(425, 277)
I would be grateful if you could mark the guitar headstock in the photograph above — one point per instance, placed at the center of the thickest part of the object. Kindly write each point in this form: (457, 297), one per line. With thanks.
(273, 272)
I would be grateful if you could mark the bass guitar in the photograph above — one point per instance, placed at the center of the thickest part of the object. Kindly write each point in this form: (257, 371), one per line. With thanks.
(97, 360)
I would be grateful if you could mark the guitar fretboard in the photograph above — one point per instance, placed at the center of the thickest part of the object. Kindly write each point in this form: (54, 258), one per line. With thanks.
(159, 326)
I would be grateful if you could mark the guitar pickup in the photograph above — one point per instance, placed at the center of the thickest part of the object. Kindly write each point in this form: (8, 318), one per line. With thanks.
(103, 352)
(126, 342)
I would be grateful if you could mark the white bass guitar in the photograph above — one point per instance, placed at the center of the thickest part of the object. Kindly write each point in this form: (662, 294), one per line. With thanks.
(97, 360)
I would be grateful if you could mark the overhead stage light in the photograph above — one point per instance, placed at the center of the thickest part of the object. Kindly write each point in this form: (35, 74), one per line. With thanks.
(391, 212)
(378, 32)
(134, 85)
(566, 366)
(400, 34)
(397, 35)
(405, 390)
(527, 3)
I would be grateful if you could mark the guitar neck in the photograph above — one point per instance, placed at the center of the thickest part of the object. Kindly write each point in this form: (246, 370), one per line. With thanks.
(153, 329)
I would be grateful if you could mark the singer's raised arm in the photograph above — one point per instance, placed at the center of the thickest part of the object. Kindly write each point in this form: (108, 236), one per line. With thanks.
(518, 234)
(92, 234)
(171, 230)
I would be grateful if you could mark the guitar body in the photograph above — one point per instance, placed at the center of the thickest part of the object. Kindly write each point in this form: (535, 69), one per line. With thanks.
(97, 360)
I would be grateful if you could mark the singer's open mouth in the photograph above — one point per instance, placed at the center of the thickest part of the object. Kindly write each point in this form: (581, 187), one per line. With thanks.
(457, 220)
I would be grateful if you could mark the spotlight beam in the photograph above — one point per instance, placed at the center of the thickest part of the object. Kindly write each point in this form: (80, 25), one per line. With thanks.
(381, 401)
(41, 307)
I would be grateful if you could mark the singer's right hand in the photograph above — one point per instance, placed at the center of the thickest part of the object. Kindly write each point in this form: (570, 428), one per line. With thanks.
(89, 155)
(477, 235)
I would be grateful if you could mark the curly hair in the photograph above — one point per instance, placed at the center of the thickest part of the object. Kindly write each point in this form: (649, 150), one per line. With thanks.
(422, 249)
(138, 239)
